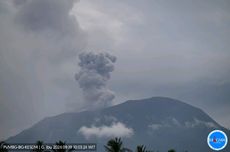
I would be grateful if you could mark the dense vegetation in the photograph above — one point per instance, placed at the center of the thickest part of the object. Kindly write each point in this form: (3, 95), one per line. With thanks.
(113, 145)
(116, 145)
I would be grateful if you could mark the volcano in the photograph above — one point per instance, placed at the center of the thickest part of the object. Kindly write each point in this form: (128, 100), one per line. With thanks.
(159, 123)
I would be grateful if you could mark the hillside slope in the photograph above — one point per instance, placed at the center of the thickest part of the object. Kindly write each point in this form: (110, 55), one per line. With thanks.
(159, 123)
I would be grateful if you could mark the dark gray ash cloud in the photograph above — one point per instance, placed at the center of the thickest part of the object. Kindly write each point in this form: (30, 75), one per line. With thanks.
(39, 15)
(93, 76)
(178, 49)
(39, 42)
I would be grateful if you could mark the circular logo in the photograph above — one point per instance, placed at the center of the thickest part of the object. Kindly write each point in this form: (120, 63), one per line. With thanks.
(217, 140)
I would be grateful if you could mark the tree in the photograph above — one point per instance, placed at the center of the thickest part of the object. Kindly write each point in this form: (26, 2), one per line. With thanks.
(60, 144)
(141, 148)
(1, 147)
(39, 143)
(114, 145)
(171, 150)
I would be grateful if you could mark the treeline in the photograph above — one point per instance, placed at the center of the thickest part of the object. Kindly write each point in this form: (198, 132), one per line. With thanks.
(116, 145)
(113, 145)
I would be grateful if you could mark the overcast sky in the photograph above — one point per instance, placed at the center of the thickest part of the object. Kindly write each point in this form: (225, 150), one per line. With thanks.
(173, 48)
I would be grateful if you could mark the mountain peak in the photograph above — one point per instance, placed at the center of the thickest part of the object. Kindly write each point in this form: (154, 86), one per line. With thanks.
(147, 121)
(157, 99)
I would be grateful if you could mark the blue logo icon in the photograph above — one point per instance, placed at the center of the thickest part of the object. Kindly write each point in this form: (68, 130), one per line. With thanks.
(217, 140)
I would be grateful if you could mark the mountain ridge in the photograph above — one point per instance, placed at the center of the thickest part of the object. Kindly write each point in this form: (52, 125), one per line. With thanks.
(150, 119)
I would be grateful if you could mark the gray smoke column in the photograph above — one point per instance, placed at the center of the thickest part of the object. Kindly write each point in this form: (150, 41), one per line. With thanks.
(93, 76)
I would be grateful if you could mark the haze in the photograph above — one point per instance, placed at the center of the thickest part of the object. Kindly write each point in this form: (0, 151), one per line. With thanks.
(177, 49)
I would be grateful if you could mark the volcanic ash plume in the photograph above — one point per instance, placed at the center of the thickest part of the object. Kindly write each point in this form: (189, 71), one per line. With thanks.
(93, 76)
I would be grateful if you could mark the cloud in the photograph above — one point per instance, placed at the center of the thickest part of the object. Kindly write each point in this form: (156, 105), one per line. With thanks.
(38, 15)
(173, 122)
(196, 123)
(39, 42)
(170, 122)
(117, 129)
(155, 126)
(93, 76)
(159, 43)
